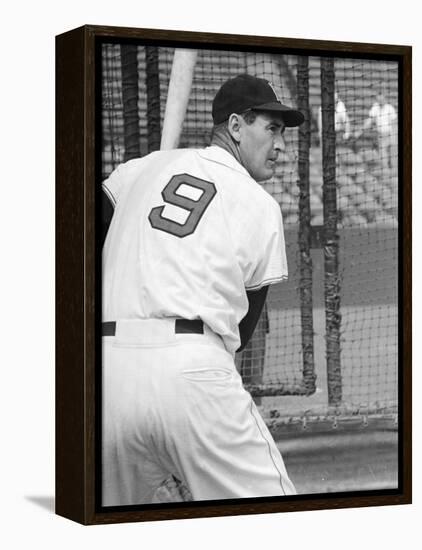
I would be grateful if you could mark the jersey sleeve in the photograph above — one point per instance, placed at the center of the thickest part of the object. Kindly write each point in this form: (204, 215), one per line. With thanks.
(121, 177)
(269, 265)
(112, 185)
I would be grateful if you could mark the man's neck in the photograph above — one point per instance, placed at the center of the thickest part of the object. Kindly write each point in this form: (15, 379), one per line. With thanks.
(222, 138)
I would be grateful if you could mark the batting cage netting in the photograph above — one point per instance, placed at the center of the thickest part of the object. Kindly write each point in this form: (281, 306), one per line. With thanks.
(326, 346)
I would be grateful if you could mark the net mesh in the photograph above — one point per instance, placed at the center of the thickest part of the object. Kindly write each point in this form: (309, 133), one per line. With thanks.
(367, 192)
(368, 207)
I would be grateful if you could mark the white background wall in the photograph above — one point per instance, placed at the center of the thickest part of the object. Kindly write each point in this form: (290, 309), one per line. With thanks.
(27, 272)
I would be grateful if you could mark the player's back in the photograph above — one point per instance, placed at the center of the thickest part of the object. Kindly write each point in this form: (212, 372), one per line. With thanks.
(185, 239)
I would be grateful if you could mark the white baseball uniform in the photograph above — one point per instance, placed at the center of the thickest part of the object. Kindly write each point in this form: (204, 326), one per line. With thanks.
(385, 119)
(191, 232)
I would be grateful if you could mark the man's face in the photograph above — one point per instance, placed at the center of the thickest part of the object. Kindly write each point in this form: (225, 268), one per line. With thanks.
(260, 144)
(381, 99)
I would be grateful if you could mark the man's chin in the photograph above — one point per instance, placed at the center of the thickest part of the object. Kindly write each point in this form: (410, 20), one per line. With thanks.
(266, 176)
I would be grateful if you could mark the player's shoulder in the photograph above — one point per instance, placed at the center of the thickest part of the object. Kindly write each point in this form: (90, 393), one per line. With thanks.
(133, 167)
(375, 109)
(225, 168)
(124, 175)
(232, 176)
(269, 205)
(221, 159)
(180, 160)
(390, 109)
(128, 168)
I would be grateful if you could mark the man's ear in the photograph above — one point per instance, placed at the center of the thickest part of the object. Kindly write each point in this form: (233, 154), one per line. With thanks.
(234, 126)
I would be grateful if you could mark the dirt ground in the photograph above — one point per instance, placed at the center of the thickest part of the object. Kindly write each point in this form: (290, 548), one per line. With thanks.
(333, 461)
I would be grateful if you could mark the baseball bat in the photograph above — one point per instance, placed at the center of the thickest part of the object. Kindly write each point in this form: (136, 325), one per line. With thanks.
(178, 96)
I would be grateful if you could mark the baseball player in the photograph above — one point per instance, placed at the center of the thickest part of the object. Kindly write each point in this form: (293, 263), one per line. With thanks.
(383, 116)
(193, 244)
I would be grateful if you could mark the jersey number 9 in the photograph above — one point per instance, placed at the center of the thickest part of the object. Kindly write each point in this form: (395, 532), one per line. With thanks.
(195, 208)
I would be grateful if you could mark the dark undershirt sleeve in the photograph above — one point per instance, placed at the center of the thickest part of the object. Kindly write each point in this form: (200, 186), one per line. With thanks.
(248, 323)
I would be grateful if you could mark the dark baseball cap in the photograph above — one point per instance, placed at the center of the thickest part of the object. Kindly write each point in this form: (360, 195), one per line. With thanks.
(245, 92)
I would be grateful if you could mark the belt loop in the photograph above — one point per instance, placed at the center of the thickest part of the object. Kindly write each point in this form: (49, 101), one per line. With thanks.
(108, 328)
(188, 326)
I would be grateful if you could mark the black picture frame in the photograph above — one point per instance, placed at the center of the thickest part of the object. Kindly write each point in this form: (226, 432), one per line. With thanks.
(78, 407)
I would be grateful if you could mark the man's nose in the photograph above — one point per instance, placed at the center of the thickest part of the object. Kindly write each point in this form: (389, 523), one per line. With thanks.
(279, 143)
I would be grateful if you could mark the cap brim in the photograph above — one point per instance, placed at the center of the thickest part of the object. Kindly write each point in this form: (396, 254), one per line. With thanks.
(290, 116)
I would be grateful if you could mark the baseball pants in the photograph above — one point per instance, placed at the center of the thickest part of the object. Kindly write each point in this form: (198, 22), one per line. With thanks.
(174, 404)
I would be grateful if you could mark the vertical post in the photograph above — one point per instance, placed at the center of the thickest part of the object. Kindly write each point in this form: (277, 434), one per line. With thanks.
(331, 238)
(129, 56)
(153, 98)
(304, 237)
